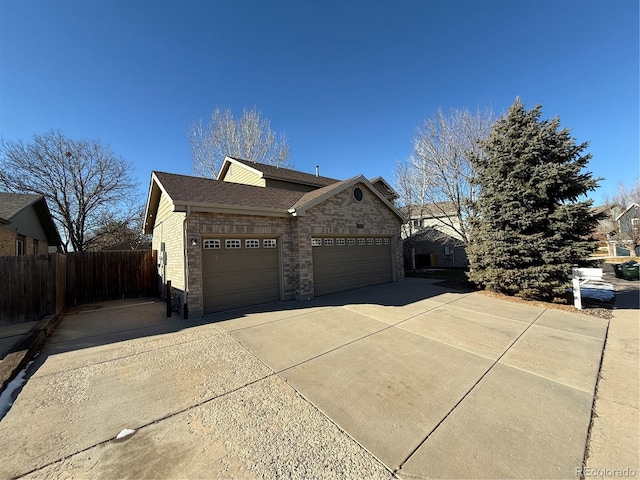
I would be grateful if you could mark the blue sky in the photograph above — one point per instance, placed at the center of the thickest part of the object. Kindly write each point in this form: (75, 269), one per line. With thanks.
(347, 82)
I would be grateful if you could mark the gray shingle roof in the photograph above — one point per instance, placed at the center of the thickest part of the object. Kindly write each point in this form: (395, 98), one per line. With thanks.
(13, 203)
(196, 190)
(312, 195)
(287, 174)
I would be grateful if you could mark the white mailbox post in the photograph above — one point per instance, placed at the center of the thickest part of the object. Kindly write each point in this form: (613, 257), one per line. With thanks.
(580, 276)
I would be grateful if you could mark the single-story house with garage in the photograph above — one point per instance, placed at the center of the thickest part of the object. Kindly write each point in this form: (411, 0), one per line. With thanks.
(259, 234)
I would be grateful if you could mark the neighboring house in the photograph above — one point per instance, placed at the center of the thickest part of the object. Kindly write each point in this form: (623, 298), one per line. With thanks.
(607, 227)
(260, 234)
(26, 226)
(430, 236)
(626, 238)
(434, 215)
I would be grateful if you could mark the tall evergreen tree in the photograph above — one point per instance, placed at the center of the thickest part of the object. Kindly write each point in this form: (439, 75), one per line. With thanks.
(534, 219)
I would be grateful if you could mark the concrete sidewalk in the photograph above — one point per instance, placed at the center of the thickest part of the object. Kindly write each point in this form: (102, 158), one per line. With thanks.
(10, 335)
(614, 446)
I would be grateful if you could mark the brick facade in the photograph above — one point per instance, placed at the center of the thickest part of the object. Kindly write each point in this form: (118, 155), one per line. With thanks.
(8, 244)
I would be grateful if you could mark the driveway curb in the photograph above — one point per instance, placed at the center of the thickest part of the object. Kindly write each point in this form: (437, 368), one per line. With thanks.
(25, 349)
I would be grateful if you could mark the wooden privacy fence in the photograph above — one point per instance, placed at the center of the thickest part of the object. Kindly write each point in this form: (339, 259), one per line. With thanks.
(33, 286)
(100, 276)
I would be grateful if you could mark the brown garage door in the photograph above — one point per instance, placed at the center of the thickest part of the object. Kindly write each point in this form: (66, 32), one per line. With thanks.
(345, 263)
(238, 272)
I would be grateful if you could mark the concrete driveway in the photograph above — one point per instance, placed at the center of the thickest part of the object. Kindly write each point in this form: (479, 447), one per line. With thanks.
(405, 379)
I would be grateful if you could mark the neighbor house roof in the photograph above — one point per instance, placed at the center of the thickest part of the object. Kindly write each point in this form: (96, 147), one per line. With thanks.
(278, 173)
(11, 204)
(632, 205)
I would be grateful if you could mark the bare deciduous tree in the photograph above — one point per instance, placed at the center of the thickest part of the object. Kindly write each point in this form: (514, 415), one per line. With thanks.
(127, 230)
(436, 180)
(83, 182)
(249, 138)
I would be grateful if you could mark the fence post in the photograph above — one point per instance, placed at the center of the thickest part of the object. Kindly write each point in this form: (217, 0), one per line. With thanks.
(60, 281)
(168, 295)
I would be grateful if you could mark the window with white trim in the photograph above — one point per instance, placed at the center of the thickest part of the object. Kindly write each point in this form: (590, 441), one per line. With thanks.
(232, 243)
(361, 241)
(378, 241)
(351, 241)
(251, 243)
(328, 242)
(316, 242)
(269, 243)
(211, 244)
(340, 242)
(387, 241)
(370, 241)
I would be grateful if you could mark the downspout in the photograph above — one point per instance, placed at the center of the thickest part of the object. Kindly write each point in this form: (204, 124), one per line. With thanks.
(185, 306)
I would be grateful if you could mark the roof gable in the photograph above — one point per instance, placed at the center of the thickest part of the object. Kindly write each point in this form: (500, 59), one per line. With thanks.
(276, 173)
(311, 199)
(386, 189)
(627, 210)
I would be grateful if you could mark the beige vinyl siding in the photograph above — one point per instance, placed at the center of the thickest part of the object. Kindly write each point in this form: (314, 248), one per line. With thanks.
(165, 208)
(238, 174)
(168, 229)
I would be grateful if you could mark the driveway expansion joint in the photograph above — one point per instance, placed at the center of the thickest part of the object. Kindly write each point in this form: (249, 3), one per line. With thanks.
(467, 393)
